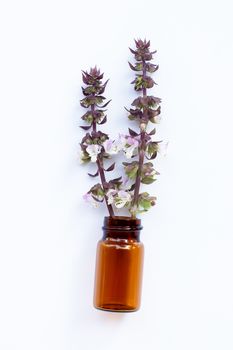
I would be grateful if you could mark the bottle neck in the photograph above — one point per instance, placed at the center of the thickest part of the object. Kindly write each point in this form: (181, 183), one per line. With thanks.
(121, 227)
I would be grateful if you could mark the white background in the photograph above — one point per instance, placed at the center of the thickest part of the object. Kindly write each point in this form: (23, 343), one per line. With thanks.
(48, 236)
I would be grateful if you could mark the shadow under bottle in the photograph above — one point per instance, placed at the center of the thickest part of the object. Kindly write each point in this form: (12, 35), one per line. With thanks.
(119, 265)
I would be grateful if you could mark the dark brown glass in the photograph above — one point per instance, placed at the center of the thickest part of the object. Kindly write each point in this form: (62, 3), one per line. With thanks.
(119, 265)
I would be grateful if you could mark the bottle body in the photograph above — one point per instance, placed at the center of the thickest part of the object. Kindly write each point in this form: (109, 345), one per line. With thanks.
(119, 266)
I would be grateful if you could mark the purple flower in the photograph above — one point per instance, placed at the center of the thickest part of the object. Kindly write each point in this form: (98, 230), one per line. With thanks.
(89, 199)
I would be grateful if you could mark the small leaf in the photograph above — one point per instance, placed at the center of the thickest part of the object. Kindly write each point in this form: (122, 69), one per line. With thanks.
(84, 104)
(132, 133)
(137, 102)
(88, 90)
(94, 175)
(131, 169)
(153, 113)
(152, 132)
(145, 204)
(99, 99)
(97, 191)
(91, 100)
(110, 168)
(103, 121)
(116, 180)
(98, 199)
(134, 52)
(84, 77)
(138, 67)
(106, 104)
(102, 88)
(85, 127)
(151, 68)
(149, 83)
(152, 156)
(131, 117)
(147, 180)
(132, 187)
(88, 117)
(132, 66)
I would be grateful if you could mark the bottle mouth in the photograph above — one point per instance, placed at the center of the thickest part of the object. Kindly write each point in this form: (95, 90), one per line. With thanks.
(122, 223)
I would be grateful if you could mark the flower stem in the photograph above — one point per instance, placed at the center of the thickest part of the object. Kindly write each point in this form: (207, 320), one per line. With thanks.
(100, 168)
(94, 122)
(103, 181)
(141, 150)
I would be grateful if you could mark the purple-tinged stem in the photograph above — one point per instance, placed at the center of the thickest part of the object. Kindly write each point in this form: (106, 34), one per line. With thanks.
(141, 149)
(103, 181)
(100, 168)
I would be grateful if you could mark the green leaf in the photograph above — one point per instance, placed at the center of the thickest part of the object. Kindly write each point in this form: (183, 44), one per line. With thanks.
(132, 117)
(152, 147)
(147, 180)
(145, 204)
(88, 117)
(131, 169)
(85, 157)
(137, 67)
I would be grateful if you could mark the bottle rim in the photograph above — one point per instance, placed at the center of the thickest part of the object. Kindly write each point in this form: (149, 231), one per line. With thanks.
(122, 223)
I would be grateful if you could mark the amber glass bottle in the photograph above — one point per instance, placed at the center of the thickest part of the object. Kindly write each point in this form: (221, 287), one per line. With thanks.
(119, 265)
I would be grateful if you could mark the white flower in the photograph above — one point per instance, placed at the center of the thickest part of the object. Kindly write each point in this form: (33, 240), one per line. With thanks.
(110, 195)
(122, 199)
(121, 141)
(124, 143)
(110, 147)
(113, 147)
(131, 145)
(125, 182)
(80, 157)
(162, 148)
(93, 151)
(157, 119)
(129, 152)
(89, 199)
